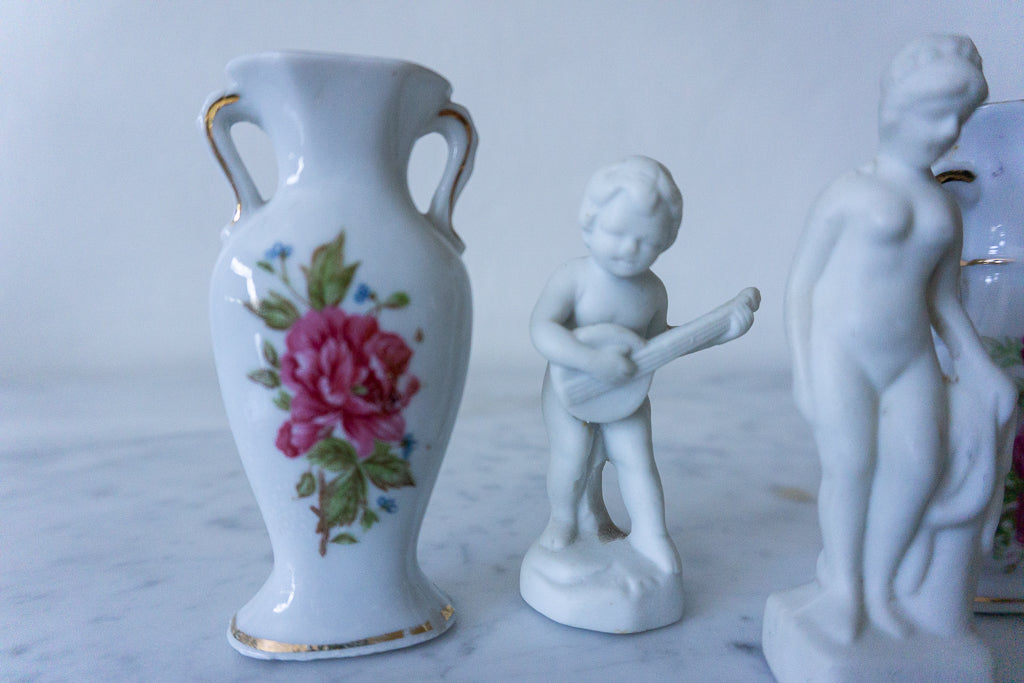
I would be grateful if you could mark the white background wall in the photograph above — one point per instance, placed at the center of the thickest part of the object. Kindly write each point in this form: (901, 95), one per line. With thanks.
(110, 203)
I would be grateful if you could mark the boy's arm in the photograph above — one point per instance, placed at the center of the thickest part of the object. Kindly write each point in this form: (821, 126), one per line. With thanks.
(558, 344)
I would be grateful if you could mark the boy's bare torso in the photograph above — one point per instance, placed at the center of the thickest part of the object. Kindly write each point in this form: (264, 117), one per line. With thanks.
(600, 296)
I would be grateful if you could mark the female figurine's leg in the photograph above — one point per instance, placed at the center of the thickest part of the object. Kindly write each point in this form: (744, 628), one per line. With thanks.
(631, 450)
(571, 441)
(845, 427)
(912, 454)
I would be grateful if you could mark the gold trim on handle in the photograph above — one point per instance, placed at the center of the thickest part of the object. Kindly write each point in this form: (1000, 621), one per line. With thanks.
(267, 645)
(961, 175)
(211, 113)
(465, 157)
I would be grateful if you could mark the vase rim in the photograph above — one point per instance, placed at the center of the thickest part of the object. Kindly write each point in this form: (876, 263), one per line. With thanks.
(313, 56)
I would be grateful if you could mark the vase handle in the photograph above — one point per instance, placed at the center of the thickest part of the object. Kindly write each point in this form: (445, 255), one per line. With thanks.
(222, 111)
(455, 125)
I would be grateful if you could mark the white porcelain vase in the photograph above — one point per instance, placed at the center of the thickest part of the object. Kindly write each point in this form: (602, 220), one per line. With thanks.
(340, 317)
(985, 173)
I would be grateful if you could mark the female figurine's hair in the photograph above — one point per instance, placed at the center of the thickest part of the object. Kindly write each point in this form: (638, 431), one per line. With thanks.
(933, 67)
(645, 181)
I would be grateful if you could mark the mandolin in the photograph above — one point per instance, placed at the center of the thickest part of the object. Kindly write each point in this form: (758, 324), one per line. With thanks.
(592, 399)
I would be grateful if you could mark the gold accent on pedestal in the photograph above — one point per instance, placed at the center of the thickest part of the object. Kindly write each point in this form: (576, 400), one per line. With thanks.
(998, 601)
(267, 645)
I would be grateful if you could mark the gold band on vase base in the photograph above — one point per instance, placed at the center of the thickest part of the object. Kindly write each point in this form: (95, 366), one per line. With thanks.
(274, 646)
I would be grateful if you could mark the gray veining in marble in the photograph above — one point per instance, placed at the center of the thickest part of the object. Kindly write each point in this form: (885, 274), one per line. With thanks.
(129, 536)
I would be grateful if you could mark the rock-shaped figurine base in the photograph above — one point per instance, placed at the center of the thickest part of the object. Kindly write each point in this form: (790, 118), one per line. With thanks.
(797, 651)
(601, 586)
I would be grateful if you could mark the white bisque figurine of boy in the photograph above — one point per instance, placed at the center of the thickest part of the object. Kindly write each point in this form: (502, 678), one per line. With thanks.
(601, 324)
(912, 461)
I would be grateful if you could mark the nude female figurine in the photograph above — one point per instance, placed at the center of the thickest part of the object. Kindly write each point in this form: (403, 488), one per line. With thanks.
(876, 271)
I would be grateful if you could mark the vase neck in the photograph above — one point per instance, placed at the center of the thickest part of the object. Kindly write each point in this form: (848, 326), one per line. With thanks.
(335, 115)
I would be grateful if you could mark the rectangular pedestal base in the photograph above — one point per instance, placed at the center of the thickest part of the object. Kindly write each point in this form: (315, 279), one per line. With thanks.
(797, 653)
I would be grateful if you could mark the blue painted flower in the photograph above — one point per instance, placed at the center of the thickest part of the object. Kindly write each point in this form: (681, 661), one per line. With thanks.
(279, 250)
(363, 293)
(387, 504)
(407, 444)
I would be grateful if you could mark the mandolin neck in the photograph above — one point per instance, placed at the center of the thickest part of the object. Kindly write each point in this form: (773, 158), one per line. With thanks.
(679, 341)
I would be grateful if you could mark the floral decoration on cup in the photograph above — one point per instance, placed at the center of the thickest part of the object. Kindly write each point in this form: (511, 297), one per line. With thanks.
(1008, 353)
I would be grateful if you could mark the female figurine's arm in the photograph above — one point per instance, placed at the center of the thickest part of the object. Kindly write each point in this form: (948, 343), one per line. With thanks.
(557, 343)
(947, 314)
(815, 248)
(957, 332)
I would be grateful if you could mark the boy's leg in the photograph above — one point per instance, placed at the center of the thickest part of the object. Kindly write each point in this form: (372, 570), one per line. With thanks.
(594, 517)
(571, 442)
(631, 450)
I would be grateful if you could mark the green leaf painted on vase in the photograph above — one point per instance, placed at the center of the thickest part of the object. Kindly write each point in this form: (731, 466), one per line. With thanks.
(385, 469)
(344, 539)
(336, 455)
(276, 311)
(396, 300)
(270, 354)
(306, 486)
(327, 277)
(283, 400)
(265, 265)
(347, 497)
(265, 376)
(369, 519)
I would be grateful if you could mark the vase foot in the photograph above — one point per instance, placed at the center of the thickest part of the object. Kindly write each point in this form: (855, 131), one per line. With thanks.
(264, 648)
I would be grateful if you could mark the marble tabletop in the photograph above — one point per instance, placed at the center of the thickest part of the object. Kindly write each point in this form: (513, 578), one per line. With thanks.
(129, 535)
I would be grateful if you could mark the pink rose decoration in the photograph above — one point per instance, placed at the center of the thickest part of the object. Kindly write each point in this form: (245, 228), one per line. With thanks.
(344, 370)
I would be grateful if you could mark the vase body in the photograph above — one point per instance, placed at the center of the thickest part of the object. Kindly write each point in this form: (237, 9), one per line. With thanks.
(341, 318)
(985, 173)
